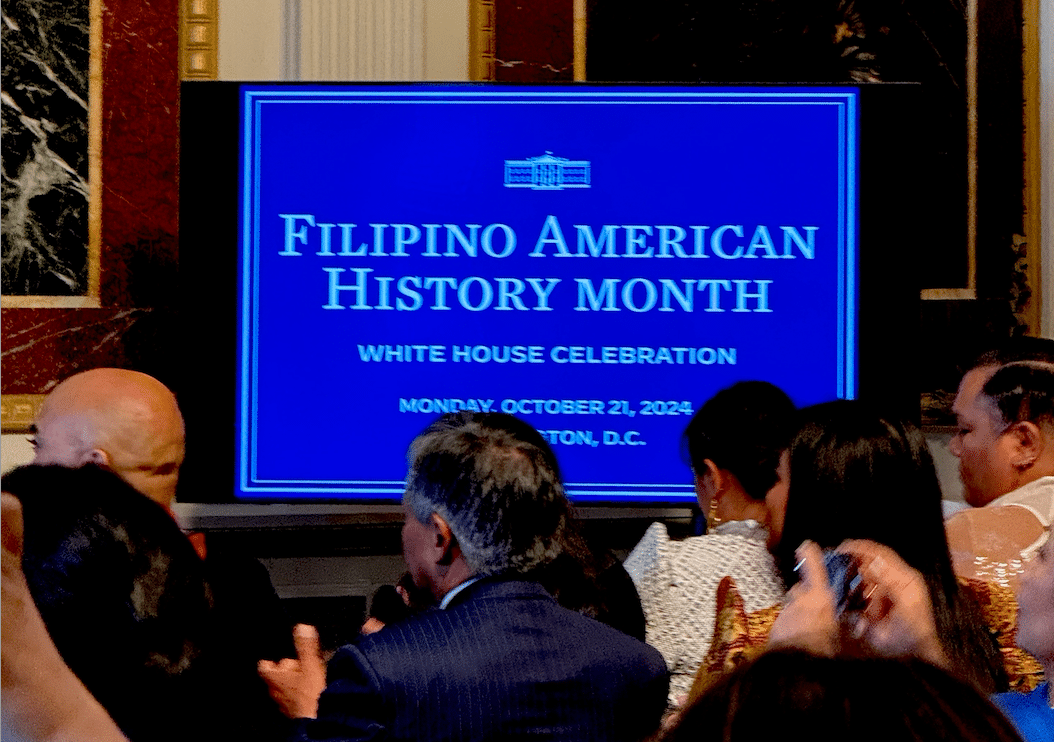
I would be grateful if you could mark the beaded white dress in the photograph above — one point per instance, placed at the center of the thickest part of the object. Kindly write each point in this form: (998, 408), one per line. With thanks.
(677, 582)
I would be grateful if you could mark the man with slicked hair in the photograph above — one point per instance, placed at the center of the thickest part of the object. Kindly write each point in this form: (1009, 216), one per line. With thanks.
(1005, 446)
(124, 421)
(497, 659)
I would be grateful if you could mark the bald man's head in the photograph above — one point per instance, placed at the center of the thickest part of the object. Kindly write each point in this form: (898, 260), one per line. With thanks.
(121, 420)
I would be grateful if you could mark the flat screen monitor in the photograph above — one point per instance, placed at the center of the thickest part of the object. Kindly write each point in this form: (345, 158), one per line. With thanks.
(597, 260)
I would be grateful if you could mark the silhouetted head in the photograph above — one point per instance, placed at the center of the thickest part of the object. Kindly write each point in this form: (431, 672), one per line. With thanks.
(124, 597)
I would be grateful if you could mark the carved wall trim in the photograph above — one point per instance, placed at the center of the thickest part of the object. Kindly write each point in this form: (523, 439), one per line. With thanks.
(580, 26)
(199, 39)
(18, 411)
(95, 9)
(481, 40)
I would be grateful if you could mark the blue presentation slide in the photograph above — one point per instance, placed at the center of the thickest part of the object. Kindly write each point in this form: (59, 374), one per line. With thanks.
(595, 260)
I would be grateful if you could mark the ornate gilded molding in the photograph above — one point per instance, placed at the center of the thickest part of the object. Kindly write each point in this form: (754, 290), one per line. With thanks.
(95, 119)
(580, 40)
(199, 39)
(18, 411)
(481, 39)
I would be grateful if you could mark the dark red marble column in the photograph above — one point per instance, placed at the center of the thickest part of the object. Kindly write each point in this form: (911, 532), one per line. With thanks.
(534, 41)
(140, 173)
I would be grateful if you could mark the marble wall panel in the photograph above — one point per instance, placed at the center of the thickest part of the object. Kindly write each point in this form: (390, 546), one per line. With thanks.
(61, 342)
(534, 41)
(139, 210)
(45, 147)
(140, 167)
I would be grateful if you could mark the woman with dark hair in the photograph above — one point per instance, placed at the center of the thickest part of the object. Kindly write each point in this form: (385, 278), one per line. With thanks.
(853, 474)
(733, 444)
(787, 694)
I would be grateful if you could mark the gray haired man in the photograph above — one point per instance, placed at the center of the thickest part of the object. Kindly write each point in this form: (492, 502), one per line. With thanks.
(497, 658)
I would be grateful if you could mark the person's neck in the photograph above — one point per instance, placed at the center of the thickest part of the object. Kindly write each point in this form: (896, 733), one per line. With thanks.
(450, 577)
(743, 508)
(1037, 471)
(451, 594)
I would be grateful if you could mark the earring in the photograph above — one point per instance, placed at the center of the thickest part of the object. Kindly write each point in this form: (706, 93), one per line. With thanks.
(713, 520)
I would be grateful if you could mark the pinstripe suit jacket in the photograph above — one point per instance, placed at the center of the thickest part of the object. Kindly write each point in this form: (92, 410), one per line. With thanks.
(502, 662)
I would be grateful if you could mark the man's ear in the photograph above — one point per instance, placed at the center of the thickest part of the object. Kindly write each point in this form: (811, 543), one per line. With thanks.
(445, 544)
(95, 456)
(1029, 443)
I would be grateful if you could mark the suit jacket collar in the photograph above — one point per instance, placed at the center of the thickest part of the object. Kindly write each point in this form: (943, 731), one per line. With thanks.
(499, 587)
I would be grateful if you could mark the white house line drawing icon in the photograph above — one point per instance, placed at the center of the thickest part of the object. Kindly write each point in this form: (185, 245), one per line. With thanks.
(547, 173)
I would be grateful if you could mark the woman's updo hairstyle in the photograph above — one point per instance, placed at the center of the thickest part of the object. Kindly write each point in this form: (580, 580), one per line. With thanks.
(742, 429)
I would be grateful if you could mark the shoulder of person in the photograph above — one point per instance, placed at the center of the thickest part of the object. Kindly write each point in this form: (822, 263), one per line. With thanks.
(657, 533)
(1006, 526)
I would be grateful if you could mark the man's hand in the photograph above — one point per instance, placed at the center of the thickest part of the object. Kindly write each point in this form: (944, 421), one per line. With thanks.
(295, 685)
(808, 619)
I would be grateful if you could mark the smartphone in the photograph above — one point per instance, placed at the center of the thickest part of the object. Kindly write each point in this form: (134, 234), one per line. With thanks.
(843, 576)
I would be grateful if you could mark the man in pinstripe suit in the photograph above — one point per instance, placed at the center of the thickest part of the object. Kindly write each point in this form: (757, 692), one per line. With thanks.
(497, 659)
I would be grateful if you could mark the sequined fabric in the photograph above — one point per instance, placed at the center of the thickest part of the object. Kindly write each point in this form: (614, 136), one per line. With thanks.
(740, 636)
(999, 609)
(994, 543)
